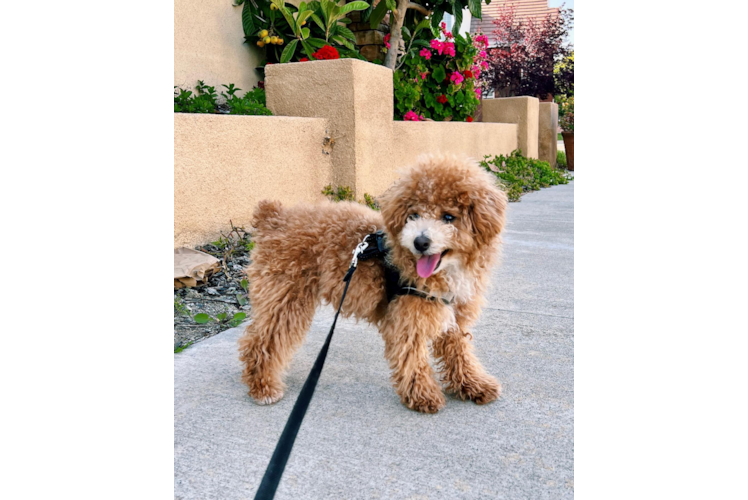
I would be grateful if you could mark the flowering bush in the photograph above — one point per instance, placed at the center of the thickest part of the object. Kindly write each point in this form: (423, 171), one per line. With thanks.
(566, 113)
(437, 79)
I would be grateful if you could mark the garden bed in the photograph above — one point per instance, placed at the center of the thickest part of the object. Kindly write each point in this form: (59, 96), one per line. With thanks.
(223, 298)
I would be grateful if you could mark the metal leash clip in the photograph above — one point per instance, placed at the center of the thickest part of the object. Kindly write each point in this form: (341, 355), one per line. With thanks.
(354, 262)
(358, 251)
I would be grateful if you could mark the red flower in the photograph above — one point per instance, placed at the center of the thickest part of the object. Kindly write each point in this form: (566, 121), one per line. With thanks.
(469, 119)
(304, 59)
(467, 73)
(261, 84)
(326, 52)
(442, 99)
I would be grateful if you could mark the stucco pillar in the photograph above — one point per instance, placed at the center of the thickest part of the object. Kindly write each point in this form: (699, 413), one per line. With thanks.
(354, 96)
(524, 111)
(548, 132)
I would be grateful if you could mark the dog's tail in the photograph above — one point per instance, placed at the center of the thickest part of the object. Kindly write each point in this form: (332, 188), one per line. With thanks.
(267, 215)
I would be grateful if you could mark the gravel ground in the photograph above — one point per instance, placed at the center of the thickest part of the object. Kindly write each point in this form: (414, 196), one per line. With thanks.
(221, 294)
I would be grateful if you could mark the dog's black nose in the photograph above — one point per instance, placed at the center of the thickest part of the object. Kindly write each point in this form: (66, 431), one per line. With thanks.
(422, 243)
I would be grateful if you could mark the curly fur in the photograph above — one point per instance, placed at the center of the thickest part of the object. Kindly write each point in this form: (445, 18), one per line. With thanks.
(302, 253)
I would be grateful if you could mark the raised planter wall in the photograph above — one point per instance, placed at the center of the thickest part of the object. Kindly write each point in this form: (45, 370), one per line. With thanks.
(332, 125)
(224, 165)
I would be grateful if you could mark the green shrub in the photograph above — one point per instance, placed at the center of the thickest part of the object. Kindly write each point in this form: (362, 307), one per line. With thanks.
(520, 175)
(345, 193)
(561, 159)
(205, 100)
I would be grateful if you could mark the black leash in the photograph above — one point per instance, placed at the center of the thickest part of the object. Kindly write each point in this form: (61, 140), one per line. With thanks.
(278, 461)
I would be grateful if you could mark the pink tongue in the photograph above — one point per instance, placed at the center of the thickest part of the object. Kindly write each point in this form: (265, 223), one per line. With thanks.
(427, 264)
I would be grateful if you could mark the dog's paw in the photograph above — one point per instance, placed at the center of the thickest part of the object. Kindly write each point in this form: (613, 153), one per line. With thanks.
(427, 405)
(425, 398)
(481, 391)
(266, 397)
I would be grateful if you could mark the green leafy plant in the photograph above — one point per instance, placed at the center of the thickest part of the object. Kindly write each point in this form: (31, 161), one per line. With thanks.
(270, 24)
(438, 79)
(180, 308)
(561, 159)
(565, 113)
(206, 100)
(433, 10)
(370, 202)
(345, 193)
(201, 318)
(341, 193)
(232, 322)
(519, 174)
(181, 348)
(203, 101)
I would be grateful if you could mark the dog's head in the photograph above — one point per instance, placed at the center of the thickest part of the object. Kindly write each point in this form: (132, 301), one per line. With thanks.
(444, 210)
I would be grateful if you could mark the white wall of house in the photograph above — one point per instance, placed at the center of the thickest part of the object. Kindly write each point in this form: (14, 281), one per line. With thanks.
(464, 27)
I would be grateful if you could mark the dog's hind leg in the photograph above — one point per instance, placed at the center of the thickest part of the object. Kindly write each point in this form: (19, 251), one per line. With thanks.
(461, 371)
(282, 313)
(409, 325)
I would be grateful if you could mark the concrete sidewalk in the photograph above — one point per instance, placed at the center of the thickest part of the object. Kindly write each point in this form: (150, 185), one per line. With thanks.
(358, 441)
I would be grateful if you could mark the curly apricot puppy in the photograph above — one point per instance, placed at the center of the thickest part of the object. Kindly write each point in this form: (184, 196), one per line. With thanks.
(442, 221)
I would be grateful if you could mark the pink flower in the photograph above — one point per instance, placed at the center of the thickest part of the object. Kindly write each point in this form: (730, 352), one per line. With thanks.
(484, 65)
(423, 76)
(443, 25)
(456, 77)
(482, 39)
(387, 40)
(448, 34)
(477, 93)
(483, 54)
(412, 116)
(476, 71)
(425, 53)
(436, 44)
(449, 49)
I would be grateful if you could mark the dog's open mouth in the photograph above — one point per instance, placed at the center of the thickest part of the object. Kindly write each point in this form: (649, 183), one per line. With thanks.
(428, 264)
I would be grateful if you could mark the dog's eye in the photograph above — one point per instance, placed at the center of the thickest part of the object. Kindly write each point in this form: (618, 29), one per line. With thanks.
(449, 219)
(414, 217)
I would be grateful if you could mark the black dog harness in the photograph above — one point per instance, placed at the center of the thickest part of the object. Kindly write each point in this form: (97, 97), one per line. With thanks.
(378, 249)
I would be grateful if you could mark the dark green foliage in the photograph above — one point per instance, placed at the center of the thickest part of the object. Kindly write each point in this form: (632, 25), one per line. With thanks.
(205, 100)
(520, 175)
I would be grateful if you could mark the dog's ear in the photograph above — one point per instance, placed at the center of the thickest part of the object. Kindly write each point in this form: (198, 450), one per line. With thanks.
(394, 205)
(486, 212)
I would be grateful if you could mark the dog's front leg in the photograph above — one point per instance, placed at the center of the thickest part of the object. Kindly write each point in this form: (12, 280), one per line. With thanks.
(462, 372)
(409, 325)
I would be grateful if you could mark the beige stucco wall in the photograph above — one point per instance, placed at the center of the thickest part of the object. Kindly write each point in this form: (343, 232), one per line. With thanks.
(209, 46)
(333, 125)
(473, 139)
(524, 111)
(224, 165)
(370, 148)
(548, 132)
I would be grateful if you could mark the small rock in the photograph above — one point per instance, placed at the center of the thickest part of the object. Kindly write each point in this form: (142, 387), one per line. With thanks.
(212, 291)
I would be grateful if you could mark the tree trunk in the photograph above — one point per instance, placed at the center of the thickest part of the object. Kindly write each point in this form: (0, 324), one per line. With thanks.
(396, 29)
